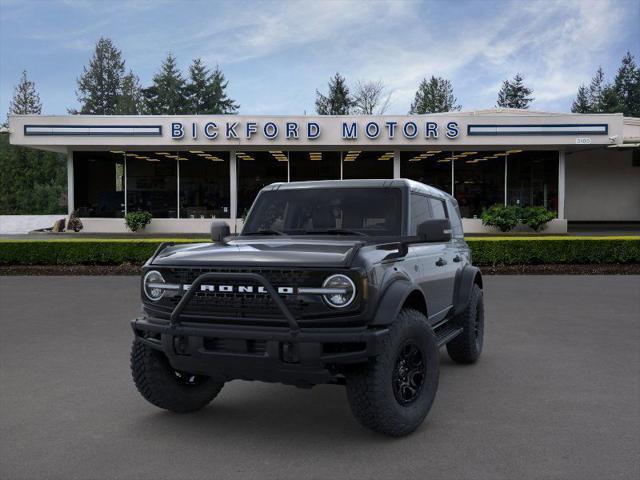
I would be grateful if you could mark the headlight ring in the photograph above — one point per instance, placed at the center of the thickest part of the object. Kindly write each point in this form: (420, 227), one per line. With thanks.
(152, 285)
(339, 300)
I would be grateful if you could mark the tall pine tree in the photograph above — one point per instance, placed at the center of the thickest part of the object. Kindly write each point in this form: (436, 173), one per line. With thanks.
(206, 92)
(627, 86)
(130, 101)
(31, 181)
(433, 96)
(582, 103)
(338, 100)
(514, 94)
(100, 85)
(25, 99)
(167, 94)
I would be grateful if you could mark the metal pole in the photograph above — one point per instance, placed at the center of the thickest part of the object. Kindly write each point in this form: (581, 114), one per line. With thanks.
(396, 164)
(70, 183)
(506, 164)
(233, 187)
(178, 186)
(561, 182)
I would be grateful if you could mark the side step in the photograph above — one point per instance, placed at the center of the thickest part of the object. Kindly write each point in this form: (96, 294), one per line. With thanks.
(446, 333)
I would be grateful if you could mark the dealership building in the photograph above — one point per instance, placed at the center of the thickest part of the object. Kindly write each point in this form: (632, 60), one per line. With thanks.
(186, 170)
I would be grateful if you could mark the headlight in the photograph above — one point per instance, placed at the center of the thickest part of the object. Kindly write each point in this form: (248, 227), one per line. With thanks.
(152, 285)
(345, 291)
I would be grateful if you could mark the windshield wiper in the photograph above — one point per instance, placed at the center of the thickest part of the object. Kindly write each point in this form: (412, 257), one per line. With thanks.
(266, 231)
(337, 231)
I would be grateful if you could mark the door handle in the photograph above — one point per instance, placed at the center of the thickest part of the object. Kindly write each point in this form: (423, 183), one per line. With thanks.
(441, 262)
(457, 258)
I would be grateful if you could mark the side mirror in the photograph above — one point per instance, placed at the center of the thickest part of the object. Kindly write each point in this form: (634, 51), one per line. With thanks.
(219, 230)
(436, 230)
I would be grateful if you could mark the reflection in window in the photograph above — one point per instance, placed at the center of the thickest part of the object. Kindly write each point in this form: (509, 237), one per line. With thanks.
(532, 179)
(152, 183)
(419, 212)
(204, 184)
(315, 165)
(257, 170)
(479, 181)
(99, 184)
(363, 164)
(431, 167)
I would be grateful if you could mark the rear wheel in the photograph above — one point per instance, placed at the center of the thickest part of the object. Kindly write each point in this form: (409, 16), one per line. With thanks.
(467, 347)
(166, 387)
(393, 393)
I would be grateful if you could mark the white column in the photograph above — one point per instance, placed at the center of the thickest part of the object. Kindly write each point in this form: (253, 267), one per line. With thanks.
(341, 165)
(506, 168)
(177, 188)
(70, 186)
(561, 177)
(233, 184)
(396, 164)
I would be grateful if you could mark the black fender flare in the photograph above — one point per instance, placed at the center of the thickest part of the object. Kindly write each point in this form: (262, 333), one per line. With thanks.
(394, 297)
(466, 278)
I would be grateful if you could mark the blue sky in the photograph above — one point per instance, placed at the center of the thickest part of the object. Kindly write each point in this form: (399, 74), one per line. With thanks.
(276, 53)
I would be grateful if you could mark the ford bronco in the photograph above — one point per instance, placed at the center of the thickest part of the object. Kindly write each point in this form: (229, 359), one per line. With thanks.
(354, 283)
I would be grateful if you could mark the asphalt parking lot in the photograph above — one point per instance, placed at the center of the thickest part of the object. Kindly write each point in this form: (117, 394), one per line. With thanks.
(555, 395)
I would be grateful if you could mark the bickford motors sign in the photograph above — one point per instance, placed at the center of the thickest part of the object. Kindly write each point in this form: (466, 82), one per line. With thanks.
(295, 130)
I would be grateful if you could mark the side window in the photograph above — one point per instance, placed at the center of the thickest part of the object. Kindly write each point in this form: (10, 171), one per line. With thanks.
(437, 206)
(419, 212)
(454, 217)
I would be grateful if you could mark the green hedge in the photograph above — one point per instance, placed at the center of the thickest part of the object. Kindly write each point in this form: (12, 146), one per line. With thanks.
(486, 250)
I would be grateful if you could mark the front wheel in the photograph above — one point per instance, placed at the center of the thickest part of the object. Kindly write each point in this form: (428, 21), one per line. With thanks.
(393, 393)
(167, 388)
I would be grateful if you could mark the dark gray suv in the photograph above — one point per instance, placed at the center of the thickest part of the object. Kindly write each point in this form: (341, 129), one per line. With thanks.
(354, 283)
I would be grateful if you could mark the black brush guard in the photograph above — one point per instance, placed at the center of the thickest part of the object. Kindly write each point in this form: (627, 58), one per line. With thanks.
(174, 321)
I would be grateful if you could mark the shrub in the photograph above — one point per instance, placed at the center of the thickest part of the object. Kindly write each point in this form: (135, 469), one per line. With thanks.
(504, 218)
(74, 223)
(485, 251)
(137, 220)
(536, 217)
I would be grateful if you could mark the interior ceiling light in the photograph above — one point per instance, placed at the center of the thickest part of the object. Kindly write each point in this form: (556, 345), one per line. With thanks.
(162, 153)
(196, 151)
(116, 151)
(152, 160)
(434, 151)
(131, 154)
(444, 160)
(500, 154)
(141, 157)
(514, 151)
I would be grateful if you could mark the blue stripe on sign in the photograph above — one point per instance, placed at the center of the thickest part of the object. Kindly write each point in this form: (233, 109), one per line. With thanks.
(94, 130)
(532, 129)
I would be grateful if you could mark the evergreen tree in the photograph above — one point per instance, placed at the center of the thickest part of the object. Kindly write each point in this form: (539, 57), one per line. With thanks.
(25, 99)
(433, 96)
(596, 91)
(514, 94)
(130, 101)
(219, 102)
(206, 91)
(627, 86)
(338, 101)
(581, 104)
(100, 85)
(167, 95)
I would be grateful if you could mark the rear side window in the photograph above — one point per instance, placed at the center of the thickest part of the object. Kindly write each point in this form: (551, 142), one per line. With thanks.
(454, 218)
(437, 208)
(420, 212)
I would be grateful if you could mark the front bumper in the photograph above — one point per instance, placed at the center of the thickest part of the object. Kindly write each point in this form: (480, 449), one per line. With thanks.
(273, 354)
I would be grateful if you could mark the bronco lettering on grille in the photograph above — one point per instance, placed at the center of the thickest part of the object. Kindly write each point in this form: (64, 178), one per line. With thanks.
(243, 289)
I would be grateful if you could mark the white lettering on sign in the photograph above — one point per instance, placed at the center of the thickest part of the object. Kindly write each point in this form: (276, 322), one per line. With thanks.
(583, 141)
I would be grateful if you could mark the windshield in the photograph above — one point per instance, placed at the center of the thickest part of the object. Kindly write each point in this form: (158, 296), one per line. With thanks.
(337, 211)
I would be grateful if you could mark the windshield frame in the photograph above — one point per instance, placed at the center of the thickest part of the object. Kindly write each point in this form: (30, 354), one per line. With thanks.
(403, 215)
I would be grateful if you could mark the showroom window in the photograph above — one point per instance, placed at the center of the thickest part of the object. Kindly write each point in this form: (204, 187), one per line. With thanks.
(431, 167)
(364, 164)
(152, 183)
(99, 184)
(532, 178)
(204, 184)
(257, 170)
(317, 165)
(478, 180)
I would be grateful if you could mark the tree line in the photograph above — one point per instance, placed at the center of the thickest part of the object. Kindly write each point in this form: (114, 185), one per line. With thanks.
(33, 181)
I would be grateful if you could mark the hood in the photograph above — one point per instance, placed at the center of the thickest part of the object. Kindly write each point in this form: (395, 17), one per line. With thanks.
(262, 252)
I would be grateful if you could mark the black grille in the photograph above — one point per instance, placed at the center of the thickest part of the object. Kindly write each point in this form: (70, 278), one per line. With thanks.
(249, 305)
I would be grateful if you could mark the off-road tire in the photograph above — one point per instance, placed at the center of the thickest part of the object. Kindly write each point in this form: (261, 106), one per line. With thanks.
(160, 385)
(370, 387)
(467, 347)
